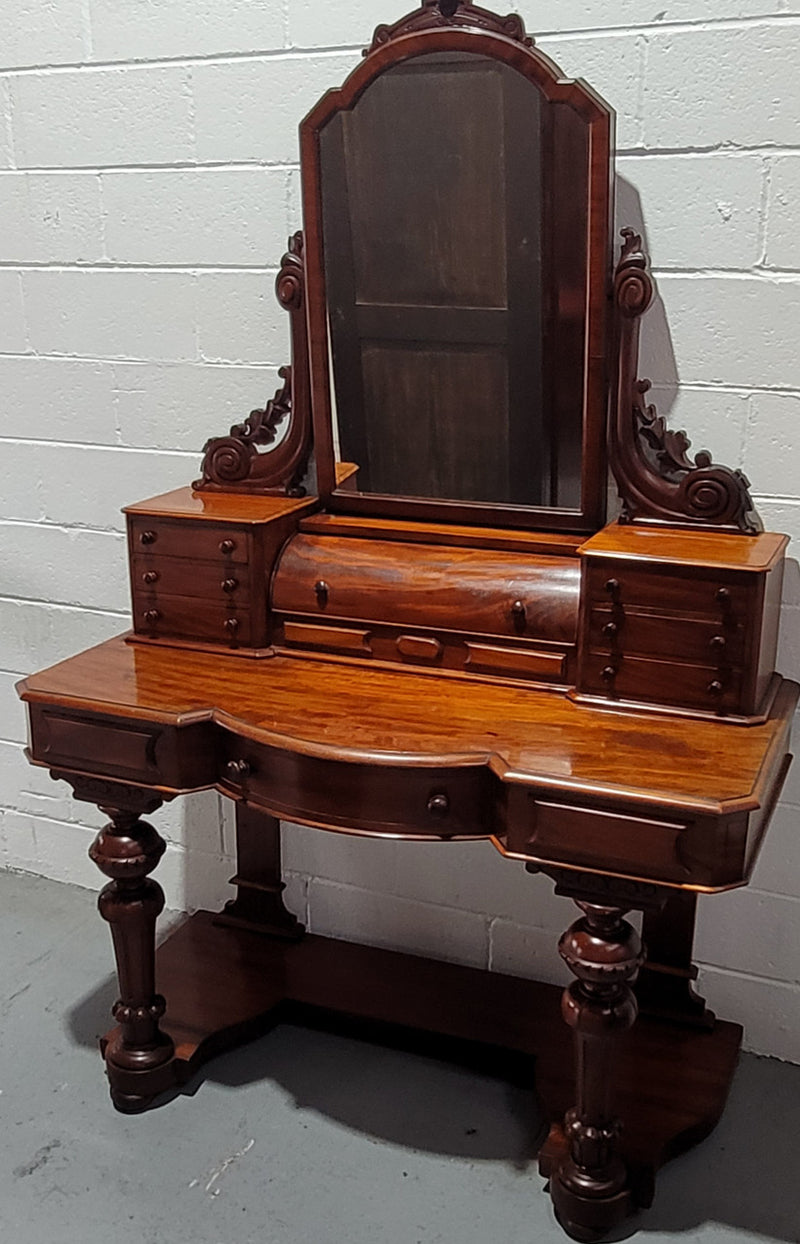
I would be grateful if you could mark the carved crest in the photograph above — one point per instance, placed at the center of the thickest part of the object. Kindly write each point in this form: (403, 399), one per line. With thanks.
(657, 479)
(438, 14)
(233, 463)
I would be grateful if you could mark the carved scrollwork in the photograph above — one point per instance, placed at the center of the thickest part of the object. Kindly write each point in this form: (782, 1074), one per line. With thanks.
(657, 479)
(438, 14)
(233, 463)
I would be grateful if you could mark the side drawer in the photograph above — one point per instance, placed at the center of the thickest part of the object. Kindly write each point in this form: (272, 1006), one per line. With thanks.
(624, 677)
(699, 640)
(185, 618)
(181, 576)
(203, 541)
(564, 833)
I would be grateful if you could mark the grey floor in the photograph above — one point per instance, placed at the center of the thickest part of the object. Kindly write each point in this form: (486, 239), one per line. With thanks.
(304, 1137)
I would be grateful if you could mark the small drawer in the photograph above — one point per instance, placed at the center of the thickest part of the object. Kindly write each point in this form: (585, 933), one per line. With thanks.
(626, 677)
(182, 617)
(178, 576)
(624, 584)
(695, 640)
(97, 746)
(203, 541)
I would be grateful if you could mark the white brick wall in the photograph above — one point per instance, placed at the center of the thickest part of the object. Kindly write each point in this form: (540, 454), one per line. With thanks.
(148, 182)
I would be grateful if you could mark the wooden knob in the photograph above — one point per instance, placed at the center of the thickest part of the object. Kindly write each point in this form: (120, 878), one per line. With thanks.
(438, 805)
(227, 546)
(151, 617)
(150, 576)
(608, 673)
(148, 537)
(321, 589)
(237, 770)
(715, 688)
(232, 626)
(718, 643)
(518, 609)
(612, 586)
(229, 585)
(610, 629)
(723, 596)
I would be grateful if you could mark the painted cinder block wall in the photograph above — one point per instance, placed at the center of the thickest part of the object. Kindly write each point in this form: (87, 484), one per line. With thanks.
(148, 182)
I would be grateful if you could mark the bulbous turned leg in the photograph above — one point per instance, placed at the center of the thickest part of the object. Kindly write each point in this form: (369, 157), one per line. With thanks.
(590, 1190)
(138, 1052)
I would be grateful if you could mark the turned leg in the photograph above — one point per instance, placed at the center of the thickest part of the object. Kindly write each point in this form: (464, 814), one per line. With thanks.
(590, 1190)
(664, 987)
(259, 899)
(137, 1053)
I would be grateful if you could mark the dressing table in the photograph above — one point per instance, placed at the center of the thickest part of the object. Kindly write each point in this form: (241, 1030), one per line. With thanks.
(392, 605)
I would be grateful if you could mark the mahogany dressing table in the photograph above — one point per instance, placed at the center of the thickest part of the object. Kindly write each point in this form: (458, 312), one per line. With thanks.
(391, 605)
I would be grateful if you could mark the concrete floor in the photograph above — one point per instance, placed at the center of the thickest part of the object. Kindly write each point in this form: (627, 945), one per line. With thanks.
(303, 1137)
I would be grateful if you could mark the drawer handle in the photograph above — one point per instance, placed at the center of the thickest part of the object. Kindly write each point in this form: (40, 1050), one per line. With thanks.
(227, 546)
(438, 805)
(151, 617)
(718, 643)
(232, 626)
(237, 770)
(724, 597)
(148, 537)
(612, 587)
(150, 576)
(321, 590)
(518, 614)
(229, 585)
(715, 688)
(608, 673)
(610, 629)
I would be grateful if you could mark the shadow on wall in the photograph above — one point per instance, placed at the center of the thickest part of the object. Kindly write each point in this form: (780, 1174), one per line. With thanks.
(657, 357)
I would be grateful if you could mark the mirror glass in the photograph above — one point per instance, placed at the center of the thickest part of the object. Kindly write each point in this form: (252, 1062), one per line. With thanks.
(456, 285)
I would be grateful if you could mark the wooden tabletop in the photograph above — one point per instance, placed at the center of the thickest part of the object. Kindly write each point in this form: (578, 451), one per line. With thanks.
(344, 711)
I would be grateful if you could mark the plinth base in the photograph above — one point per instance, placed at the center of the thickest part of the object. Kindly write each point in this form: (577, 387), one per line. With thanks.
(226, 985)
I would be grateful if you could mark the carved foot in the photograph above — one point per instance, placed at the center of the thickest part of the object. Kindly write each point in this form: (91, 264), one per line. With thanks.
(591, 1190)
(137, 1053)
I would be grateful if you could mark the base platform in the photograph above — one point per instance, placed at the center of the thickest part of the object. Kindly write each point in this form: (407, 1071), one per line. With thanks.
(226, 985)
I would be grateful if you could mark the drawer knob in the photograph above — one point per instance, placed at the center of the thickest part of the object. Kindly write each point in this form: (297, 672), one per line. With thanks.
(232, 626)
(610, 629)
(438, 805)
(724, 597)
(148, 537)
(321, 590)
(518, 615)
(715, 688)
(151, 617)
(150, 576)
(612, 587)
(229, 585)
(718, 643)
(237, 770)
(608, 673)
(227, 546)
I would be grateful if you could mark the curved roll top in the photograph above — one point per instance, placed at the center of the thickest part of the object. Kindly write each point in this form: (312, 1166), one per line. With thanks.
(480, 591)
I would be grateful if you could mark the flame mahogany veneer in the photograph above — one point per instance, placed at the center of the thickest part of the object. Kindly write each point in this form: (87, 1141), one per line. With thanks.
(599, 702)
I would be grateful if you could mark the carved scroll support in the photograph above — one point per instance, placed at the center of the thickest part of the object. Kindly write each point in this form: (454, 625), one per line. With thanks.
(237, 462)
(658, 482)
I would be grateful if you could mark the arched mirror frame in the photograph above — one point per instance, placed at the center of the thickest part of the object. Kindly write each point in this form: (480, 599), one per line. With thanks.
(391, 46)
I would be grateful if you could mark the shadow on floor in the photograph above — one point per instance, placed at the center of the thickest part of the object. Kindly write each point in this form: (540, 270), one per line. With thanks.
(746, 1176)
